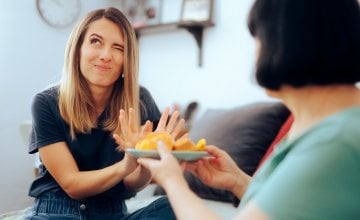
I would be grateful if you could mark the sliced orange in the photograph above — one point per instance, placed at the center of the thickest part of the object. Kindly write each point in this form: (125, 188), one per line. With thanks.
(149, 142)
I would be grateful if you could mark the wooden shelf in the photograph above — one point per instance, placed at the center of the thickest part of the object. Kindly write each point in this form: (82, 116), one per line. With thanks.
(196, 29)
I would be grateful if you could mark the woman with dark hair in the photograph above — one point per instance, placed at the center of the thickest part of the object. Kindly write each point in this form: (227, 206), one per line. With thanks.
(82, 175)
(308, 57)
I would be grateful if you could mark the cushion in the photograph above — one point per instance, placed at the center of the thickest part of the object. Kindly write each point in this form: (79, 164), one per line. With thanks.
(244, 132)
(281, 134)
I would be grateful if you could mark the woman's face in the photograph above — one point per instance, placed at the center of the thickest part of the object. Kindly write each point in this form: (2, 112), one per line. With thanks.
(102, 54)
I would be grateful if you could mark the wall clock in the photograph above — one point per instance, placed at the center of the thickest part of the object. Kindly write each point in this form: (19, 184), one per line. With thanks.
(58, 13)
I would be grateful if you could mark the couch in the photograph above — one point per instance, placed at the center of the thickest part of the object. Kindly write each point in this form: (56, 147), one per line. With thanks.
(245, 132)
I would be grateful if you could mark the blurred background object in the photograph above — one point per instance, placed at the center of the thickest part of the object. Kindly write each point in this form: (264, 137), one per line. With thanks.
(187, 112)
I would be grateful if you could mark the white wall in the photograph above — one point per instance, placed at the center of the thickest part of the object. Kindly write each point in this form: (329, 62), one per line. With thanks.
(31, 57)
(169, 62)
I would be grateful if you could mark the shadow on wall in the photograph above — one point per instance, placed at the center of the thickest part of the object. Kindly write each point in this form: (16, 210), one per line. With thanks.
(25, 128)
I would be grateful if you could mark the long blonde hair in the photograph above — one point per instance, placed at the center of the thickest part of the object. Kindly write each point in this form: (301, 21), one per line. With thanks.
(75, 101)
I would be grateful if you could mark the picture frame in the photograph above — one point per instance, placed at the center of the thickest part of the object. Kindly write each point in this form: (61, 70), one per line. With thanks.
(144, 12)
(197, 10)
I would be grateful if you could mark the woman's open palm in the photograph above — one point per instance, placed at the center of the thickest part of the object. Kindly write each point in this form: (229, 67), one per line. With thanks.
(130, 132)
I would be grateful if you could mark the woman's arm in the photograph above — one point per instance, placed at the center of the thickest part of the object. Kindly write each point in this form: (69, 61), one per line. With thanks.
(185, 203)
(220, 171)
(130, 134)
(168, 174)
(81, 184)
(138, 179)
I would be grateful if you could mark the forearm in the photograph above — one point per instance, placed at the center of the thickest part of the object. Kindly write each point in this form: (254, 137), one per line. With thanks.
(185, 203)
(138, 179)
(89, 183)
(242, 182)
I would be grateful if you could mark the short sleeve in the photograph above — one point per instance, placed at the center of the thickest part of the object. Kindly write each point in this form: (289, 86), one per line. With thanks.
(322, 179)
(46, 128)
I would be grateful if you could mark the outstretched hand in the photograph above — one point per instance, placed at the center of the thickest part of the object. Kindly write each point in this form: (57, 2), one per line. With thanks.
(173, 126)
(165, 169)
(131, 133)
(218, 171)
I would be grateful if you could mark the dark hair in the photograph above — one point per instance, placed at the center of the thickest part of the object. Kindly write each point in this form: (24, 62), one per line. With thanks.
(306, 42)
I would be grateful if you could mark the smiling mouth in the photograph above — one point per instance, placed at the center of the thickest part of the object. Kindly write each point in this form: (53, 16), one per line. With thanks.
(101, 67)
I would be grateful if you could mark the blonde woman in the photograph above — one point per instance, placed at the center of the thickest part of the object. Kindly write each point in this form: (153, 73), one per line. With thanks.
(82, 175)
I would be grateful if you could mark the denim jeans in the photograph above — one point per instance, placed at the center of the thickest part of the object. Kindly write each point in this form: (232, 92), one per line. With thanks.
(54, 206)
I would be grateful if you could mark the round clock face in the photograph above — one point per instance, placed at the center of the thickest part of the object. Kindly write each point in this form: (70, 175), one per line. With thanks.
(58, 13)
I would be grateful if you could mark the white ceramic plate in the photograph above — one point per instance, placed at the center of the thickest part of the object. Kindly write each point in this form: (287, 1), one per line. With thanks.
(180, 155)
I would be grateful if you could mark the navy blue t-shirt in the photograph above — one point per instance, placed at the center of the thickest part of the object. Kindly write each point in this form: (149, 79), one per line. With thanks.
(91, 151)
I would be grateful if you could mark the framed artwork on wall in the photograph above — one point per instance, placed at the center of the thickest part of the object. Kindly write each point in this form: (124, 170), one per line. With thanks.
(197, 10)
(144, 12)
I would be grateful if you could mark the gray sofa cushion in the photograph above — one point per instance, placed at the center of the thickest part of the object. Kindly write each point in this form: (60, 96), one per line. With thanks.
(245, 132)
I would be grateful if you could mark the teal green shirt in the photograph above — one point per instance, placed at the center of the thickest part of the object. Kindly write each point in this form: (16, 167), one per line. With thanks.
(316, 176)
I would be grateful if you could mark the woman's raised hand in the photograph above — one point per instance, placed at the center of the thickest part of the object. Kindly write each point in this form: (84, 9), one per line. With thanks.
(173, 126)
(130, 132)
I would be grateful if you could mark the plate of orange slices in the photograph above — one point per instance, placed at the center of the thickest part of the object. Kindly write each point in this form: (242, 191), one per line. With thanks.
(184, 149)
(180, 155)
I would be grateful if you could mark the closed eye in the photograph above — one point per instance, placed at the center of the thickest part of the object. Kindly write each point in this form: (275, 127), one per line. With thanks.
(119, 47)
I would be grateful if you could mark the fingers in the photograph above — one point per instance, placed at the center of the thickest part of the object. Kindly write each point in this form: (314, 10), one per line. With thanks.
(127, 122)
(171, 124)
(214, 151)
(186, 135)
(207, 165)
(178, 128)
(191, 167)
(146, 128)
(194, 167)
(146, 162)
(163, 150)
(133, 126)
(150, 163)
(174, 126)
(163, 120)
(183, 165)
(123, 123)
(120, 142)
